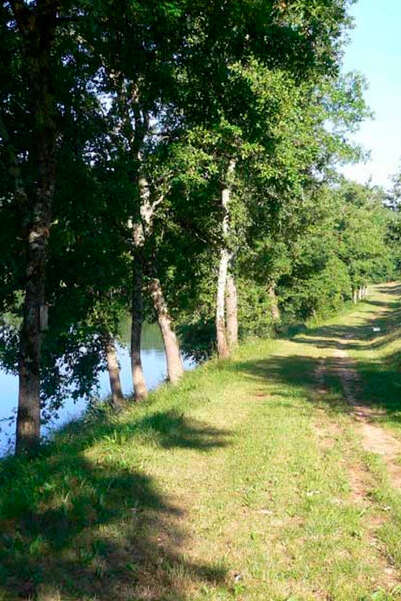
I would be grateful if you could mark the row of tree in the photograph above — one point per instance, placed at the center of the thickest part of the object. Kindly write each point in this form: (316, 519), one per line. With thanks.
(175, 159)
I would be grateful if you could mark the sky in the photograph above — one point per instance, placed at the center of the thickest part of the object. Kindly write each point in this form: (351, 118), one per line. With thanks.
(375, 51)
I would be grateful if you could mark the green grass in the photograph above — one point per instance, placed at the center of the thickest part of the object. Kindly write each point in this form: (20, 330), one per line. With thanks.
(237, 484)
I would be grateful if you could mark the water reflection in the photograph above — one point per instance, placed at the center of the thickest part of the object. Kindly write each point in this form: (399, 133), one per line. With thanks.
(154, 366)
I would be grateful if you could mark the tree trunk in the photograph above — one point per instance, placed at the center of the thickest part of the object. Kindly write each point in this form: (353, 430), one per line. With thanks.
(231, 312)
(274, 308)
(138, 238)
(138, 377)
(221, 334)
(223, 349)
(28, 416)
(175, 368)
(37, 30)
(117, 397)
(354, 296)
(360, 296)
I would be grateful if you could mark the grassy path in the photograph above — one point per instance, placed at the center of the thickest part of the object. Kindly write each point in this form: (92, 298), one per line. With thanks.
(253, 481)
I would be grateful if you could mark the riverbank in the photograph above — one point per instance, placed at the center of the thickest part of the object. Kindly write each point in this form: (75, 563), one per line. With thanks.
(154, 366)
(251, 480)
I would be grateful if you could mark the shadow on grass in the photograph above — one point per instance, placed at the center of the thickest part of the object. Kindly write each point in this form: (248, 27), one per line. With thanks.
(373, 333)
(379, 382)
(295, 371)
(76, 524)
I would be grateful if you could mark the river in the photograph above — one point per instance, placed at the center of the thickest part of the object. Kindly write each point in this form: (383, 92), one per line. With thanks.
(154, 365)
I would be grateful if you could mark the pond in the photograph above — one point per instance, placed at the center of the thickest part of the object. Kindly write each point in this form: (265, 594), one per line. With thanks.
(154, 366)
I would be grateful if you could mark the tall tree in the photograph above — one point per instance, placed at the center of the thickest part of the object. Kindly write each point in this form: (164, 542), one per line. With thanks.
(35, 26)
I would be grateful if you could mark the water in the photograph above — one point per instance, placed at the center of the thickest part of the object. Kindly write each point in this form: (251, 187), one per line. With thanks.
(154, 366)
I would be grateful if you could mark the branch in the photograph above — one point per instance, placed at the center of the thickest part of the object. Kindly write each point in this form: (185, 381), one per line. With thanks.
(163, 194)
(158, 201)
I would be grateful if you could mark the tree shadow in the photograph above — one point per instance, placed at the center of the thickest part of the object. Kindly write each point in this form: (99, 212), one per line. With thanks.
(296, 371)
(378, 384)
(174, 430)
(393, 288)
(85, 525)
(372, 333)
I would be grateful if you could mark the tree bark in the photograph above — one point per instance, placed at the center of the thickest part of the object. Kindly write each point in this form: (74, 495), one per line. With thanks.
(221, 334)
(175, 368)
(117, 397)
(37, 29)
(223, 349)
(138, 377)
(274, 308)
(231, 312)
(138, 243)
(142, 229)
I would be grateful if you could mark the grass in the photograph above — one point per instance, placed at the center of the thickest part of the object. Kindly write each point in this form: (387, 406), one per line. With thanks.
(237, 484)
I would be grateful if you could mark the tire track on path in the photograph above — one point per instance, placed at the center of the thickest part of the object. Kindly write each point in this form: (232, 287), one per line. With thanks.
(374, 440)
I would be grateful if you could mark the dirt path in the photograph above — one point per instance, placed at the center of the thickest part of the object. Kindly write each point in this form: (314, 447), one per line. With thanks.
(375, 439)
(363, 329)
(336, 366)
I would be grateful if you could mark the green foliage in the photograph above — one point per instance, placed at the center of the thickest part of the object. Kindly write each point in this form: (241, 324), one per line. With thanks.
(254, 310)
(316, 290)
(197, 338)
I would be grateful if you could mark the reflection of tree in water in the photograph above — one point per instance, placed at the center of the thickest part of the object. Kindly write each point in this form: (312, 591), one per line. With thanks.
(151, 337)
(79, 525)
(61, 406)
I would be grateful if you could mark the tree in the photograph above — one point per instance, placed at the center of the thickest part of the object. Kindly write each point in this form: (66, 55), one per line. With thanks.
(246, 121)
(50, 69)
(34, 26)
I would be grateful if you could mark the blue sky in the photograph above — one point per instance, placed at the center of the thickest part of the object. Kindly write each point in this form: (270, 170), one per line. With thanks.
(375, 51)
